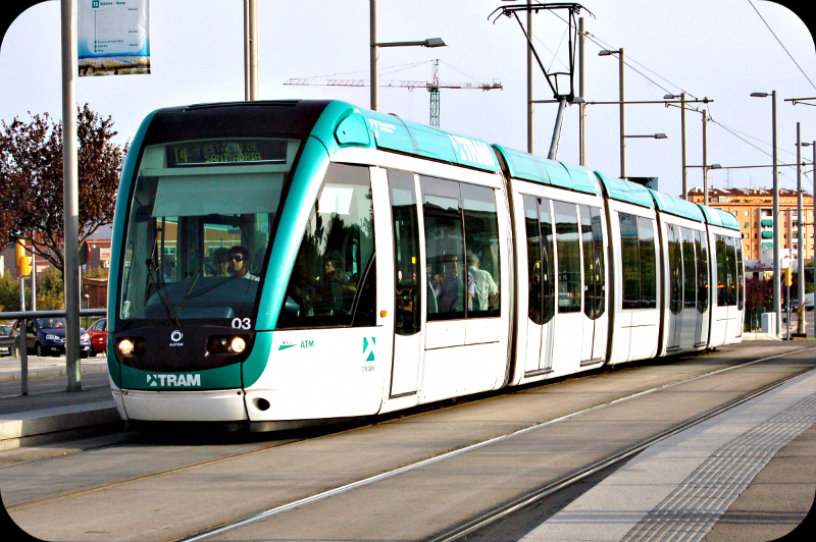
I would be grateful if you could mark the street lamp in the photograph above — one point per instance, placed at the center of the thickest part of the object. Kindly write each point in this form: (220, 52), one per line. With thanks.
(621, 83)
(375, 53)
(777, 283)
(682, 97)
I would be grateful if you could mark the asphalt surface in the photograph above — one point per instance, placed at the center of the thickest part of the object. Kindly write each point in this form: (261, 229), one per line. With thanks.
(168, 487)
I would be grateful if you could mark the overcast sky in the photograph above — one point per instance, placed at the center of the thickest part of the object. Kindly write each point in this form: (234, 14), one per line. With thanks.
(720, 49)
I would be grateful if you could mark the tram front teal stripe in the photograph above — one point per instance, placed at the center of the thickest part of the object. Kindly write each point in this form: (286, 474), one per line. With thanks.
(221, 378)
(255, 365)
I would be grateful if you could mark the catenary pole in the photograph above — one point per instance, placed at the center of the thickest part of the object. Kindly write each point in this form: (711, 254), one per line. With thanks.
(581, 91)
(800, 238)
(705, 157)
(777, 279)
(530, 73)
(622, 114)
(251, 49)
(375, 58)
(683, 142)
(70, 192)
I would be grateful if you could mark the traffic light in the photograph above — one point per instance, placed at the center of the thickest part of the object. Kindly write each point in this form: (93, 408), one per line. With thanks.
(788, 276)
(23, 261)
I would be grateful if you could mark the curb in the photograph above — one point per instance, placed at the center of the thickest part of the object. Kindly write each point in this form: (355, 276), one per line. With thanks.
(49, 422)
(56, 372)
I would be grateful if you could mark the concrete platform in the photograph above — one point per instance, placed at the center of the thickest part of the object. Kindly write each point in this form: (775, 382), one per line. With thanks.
(49, 413)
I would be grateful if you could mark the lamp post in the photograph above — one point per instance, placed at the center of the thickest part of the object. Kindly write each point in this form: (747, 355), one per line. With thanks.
(707, 167)
(621, 86)
(375, 53)
(682, 97)
(777, 282)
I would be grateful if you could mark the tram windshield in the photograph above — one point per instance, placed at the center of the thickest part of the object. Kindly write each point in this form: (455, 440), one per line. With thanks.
(201, 219)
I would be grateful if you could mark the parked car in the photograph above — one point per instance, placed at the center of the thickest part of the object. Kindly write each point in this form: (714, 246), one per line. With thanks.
(99, 336)
(6, 340)
(46, 336)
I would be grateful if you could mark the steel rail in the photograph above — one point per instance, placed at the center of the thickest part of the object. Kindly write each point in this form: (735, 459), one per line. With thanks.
(508, 509)
(482, 521)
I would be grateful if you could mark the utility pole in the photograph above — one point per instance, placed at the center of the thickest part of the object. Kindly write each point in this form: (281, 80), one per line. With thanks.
(581, 90)
(70, 192)
(375, 58)
(250, 50)
(530, 104)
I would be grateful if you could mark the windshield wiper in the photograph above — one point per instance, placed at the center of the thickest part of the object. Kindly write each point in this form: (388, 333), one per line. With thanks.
(158, 284)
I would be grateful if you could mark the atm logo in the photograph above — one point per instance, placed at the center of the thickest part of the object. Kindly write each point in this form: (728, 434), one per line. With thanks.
(154, 380)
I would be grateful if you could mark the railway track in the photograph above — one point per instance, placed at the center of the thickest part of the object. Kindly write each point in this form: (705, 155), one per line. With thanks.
(462, 529)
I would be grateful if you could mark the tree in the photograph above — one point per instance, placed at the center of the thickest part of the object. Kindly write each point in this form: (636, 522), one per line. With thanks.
(31, 180)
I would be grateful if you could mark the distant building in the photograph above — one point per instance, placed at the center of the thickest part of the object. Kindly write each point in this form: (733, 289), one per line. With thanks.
(753, 208)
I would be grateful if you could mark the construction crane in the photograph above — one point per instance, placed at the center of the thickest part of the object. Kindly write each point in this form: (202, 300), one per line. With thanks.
(433, 87)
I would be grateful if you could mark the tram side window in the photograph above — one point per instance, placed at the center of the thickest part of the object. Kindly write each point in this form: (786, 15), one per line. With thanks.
(701, 244)
(630, 261)
(689, 269)
(598, 265)
(675, 269)
(721, 270)
(569, 256)
(540, 265)
(332, 283)
(406, 252)
(444, 247)
(482, 243)
(592, 243)
(648, 266)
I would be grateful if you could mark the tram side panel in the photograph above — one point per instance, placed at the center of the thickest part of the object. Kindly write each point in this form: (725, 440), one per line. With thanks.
(685, 296)
(633, 234)
(561, 274)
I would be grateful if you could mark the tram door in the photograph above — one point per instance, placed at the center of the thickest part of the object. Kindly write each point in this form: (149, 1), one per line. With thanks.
(541, 285)
(595, 327)
(407, 291)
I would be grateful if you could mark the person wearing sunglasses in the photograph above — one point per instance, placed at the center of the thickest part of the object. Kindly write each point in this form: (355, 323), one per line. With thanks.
(238, 266)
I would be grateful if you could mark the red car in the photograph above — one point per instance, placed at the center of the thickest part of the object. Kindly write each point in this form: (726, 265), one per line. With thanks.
(99, 336)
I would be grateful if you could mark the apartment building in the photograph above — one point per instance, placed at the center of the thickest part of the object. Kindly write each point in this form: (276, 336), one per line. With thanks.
(753, 208)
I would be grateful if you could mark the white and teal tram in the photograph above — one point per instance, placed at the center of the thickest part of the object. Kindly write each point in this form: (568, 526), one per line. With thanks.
(277, 264)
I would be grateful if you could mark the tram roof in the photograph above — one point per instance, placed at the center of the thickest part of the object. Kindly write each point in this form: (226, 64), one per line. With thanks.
(348, 125)
(626, 191)
(718, 217)
(678, 206)
(528, 167)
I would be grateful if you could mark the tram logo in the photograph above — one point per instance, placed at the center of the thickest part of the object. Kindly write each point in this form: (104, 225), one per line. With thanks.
(285, 345)
(154, 380)
(368, 348)
(176, 337)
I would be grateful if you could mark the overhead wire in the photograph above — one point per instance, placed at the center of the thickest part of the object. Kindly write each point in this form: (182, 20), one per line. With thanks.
(781, 44)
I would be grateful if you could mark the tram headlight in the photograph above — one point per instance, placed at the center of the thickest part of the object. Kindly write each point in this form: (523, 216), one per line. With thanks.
(126, 347)
(238, 345)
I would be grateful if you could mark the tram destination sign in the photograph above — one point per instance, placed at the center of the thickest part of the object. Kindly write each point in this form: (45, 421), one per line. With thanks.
(226, 151)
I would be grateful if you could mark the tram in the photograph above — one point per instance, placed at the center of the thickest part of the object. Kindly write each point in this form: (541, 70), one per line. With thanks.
(283, 263)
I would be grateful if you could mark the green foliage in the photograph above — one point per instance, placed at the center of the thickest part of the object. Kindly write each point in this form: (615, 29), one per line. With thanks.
(10, 294)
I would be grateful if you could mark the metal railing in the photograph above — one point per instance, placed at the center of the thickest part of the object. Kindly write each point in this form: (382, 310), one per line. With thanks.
(20, 339)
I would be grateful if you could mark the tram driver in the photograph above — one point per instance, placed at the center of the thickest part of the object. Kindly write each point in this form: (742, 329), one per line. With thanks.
(239, 263)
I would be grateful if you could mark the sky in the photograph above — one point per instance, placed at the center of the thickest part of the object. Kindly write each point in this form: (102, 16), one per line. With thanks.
(720, 49)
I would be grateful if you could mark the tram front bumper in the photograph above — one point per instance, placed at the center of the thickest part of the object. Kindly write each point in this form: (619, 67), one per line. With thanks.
(181, 406)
